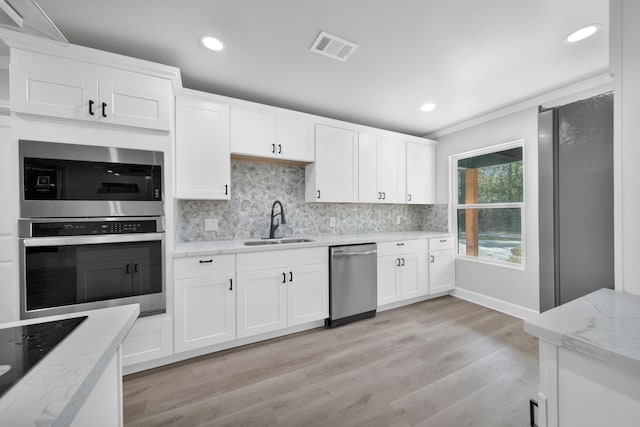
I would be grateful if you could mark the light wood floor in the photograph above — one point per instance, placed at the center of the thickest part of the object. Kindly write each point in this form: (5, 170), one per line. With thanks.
(443, 362)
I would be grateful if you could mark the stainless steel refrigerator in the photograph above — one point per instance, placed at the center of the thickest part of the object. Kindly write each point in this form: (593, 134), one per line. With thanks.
(575, 165)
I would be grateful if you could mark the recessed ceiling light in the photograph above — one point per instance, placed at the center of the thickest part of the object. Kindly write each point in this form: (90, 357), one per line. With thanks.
(427, 107)
(582, 33)
(211, 43)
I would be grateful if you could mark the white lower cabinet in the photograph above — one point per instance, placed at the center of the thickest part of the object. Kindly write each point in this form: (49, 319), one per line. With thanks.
(441, 264)
(150, 338)
(205, 301)
(279, 289)
(402, 272)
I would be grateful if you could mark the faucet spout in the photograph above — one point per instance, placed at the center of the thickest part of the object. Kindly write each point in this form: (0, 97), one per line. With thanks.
(274, 225)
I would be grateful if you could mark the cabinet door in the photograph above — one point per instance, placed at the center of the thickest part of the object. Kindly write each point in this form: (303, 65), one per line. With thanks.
(262, 301)
(203, 165)
(204, 311)
(420, 173)
(441, 272)
(336, 165)
(388, 280)
(253, 133)
(391, 170)
(134, 105)
(368, 191)
(413, 275)
(295, 139)
(147, 275)
(56, 93)
(308, 293)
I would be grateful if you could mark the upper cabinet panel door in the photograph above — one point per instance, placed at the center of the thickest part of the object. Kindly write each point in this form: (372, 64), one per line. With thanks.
(253, 133)
(203, 167)
(391, 170)
(368, 191)
(133, 105)
(420, 173)
(295, 139)
(336, 164)
(54, 93)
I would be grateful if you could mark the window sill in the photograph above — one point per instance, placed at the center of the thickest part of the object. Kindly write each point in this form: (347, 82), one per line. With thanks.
(495, 263)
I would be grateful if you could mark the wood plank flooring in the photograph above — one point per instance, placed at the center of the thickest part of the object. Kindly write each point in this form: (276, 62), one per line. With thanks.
(443, 362)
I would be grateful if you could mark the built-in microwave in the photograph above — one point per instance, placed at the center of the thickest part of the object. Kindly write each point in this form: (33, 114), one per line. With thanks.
(71, 180)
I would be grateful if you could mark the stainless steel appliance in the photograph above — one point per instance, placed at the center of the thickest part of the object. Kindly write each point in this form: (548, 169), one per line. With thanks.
(71, 180)
(353, 285)
(575, 163)
(92, 231)
(74, 264)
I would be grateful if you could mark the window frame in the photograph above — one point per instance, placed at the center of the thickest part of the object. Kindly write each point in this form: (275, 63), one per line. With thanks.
(455, 206)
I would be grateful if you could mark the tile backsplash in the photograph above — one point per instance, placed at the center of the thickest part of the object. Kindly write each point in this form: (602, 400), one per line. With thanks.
(256, 185)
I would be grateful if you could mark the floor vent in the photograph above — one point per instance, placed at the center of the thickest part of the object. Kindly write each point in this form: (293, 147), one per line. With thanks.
(333, 46)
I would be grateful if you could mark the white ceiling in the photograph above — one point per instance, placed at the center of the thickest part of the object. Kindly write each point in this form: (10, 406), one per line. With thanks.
(470, 57)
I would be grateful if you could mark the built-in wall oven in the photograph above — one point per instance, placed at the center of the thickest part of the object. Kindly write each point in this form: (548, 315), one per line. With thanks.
(91, 232)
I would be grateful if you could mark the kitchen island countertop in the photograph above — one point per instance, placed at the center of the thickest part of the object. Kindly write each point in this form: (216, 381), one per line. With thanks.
(216, 247)
(54, 390)
(604, 325)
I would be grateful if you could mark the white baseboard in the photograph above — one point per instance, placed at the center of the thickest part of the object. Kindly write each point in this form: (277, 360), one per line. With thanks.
(494, 303)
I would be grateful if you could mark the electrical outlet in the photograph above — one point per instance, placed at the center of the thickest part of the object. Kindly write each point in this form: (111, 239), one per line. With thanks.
(399, 220)
(332, 222)
(210, 224)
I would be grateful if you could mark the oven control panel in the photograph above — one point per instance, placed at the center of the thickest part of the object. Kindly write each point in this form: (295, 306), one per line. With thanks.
(92, 228)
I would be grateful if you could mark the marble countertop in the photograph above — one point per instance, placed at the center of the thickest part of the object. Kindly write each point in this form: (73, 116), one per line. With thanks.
(216, 247)
(55, 389)
(604, 325)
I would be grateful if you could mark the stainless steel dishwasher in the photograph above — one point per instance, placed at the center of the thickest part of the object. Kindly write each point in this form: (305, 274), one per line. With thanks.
(353, 283)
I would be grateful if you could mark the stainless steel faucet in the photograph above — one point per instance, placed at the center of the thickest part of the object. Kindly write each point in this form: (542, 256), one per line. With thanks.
(273, 227)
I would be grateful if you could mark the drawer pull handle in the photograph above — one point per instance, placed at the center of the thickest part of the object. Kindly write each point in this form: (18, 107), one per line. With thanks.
(202, 261)
(443, 240)
(399, 244)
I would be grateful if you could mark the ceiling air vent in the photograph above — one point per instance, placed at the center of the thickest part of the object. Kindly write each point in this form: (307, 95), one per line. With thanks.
(333, 46)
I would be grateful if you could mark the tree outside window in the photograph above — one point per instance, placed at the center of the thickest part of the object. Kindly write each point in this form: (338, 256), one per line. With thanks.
(489, 203)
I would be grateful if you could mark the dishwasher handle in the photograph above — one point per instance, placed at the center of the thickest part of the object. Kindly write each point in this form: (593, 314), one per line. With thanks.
(338, 254)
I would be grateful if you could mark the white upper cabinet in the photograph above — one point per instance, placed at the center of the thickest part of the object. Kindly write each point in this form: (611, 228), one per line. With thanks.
(259, 134)
(65, 88)
(203, 167)
(334, 175)
(381, 166)
(421, 185)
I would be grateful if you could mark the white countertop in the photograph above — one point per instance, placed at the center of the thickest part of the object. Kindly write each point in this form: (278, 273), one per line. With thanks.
(604, 325)
(215, 247)
(55, 389)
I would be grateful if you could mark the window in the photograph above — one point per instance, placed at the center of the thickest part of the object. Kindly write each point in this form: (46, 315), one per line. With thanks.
(489, 203)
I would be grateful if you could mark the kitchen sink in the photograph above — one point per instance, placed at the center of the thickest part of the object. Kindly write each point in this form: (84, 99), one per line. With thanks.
(275, 242)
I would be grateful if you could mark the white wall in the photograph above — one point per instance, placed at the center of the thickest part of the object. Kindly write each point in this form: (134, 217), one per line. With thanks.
(508, 285)
(625, 67)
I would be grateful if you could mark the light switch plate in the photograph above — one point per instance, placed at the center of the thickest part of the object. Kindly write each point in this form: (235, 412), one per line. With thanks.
(210, 224)
(399, 220)
(332, 222)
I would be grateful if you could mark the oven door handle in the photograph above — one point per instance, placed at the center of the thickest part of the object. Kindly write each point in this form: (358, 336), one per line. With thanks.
(91, 240)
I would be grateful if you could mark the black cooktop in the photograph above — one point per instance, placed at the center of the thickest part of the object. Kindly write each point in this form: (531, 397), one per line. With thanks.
(22, 347)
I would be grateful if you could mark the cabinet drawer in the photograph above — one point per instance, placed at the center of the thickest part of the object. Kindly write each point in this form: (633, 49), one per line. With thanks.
(401, 247)
(282, 258)
(441, 243)
(184, 268)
